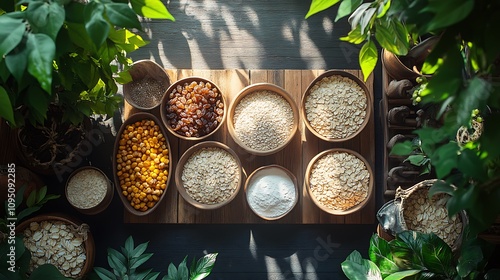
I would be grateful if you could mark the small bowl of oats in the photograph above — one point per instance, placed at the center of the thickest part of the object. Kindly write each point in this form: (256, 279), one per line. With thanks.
(263, 119)
(336, 106)
(339, 181)
(209, 175)
(89, 190)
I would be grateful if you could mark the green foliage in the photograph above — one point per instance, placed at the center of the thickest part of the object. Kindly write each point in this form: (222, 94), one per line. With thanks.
(67, 52)
(416, 255)
(125, 264)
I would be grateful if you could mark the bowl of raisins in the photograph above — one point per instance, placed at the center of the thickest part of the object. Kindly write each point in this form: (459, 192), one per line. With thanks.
(193, 108)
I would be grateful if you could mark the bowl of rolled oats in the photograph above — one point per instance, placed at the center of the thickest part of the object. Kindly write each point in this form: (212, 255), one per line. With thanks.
(193, 108)
(339, 181)
(263, 119)
(89, 190)
(336, 106)
(61, 241)
(208, 175)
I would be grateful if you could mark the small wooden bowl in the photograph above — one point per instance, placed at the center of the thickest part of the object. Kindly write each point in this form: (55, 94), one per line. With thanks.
(142, 71)
(248, 91)
(343, 74)
(133, 118)
(166, 99)
(88, 244)
(266, 171)
(101, 206)
(313, 197)
(180, 167)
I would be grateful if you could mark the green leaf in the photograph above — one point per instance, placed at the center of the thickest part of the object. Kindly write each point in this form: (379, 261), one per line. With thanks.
(104, 274)
(41, 194)
(446, 13)
(357, 268)
(129, 246)
(139, 250)
(126, 40)
(368, 57)
(37, 102)
(469, 260)
(151, 276)
(137, 261)
(203, 267)
(402, 148)
(182, 270)
(6, 110)
(407, 250)
(437, 255)
(347, 7)
(30, 202)
(383, 8)
(392, 36)
(116, 254)
(440, 186)
(402, 274)
(171, 272)
(355, 36)
(417, 160)
(55, 20)
(471, 165)
(78, 35)
(358, 15)
(47, 271)
(116, 264)
(11, 33)
(42, 50)
(17, 61)
(151, 9)
(122, 15)
(474, 96)
(97, 27)
(380, 253)
(320, 5)
(20, 195)
(445, 159)
(463, 198)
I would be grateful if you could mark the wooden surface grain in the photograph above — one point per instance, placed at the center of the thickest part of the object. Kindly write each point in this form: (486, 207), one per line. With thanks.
(295, 156)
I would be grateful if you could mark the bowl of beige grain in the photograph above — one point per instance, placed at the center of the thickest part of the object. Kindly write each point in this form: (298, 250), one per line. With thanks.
(339, 181)
(336, 106)
(89, 190)
(262, 119)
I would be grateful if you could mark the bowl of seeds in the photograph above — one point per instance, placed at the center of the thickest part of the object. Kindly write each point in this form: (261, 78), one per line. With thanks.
(208, 175)
(339, 181)
(336, 106)
(263, 119)
(61, 241)
(193, 108)
(89, 190)
(149, 83)
(142, 163)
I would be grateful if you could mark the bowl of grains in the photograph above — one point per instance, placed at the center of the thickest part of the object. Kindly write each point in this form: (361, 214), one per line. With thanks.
(208, 175)
(141, 163)
(193, 108)
(336, 106)
(149, 84)
(89, 190)
(263, 119)
(271, 192)
(339, 181)
(419, 212)
(61, 241)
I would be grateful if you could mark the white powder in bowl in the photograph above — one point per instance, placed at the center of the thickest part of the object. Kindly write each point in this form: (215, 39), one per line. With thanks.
(271, 192)
(87, 188)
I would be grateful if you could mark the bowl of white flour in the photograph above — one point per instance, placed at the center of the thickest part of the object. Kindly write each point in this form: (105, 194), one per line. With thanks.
(271, 192)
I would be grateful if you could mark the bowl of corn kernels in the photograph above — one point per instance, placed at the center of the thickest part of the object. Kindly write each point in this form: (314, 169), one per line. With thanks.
(141, 163)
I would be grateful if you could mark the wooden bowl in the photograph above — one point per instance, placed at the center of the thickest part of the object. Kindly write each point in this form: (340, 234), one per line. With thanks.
(180, 167)
(88, 243)
(350, 76)
(271, 170)
(146, 75)
(164, 115)
(307, 182)
(249, 90)
(106, 200)
(133, 118)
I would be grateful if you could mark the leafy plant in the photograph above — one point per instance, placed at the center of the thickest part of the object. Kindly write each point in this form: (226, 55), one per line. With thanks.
(67, 52)
(465, 69)
(416, 255)
(415, 154)
(125, 265)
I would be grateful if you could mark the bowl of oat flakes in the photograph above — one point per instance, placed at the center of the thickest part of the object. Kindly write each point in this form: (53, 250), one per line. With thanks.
(336, 106)
(263, 119)
(339, 181)
(209, 175)
(61, 241)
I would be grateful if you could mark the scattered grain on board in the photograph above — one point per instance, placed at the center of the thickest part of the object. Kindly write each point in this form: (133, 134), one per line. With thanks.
(146, 93)
(211, 175)
(87, 188)
(335, 107)
(339, 180)
(427, 215)
(263, 120)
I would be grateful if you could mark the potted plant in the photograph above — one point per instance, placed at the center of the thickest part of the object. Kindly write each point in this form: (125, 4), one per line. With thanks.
(59, 64)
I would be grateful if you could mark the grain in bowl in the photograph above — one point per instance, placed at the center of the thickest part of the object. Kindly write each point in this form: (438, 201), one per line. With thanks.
(89, 190)
(339, 181)
(336, 106)
(208, 175)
